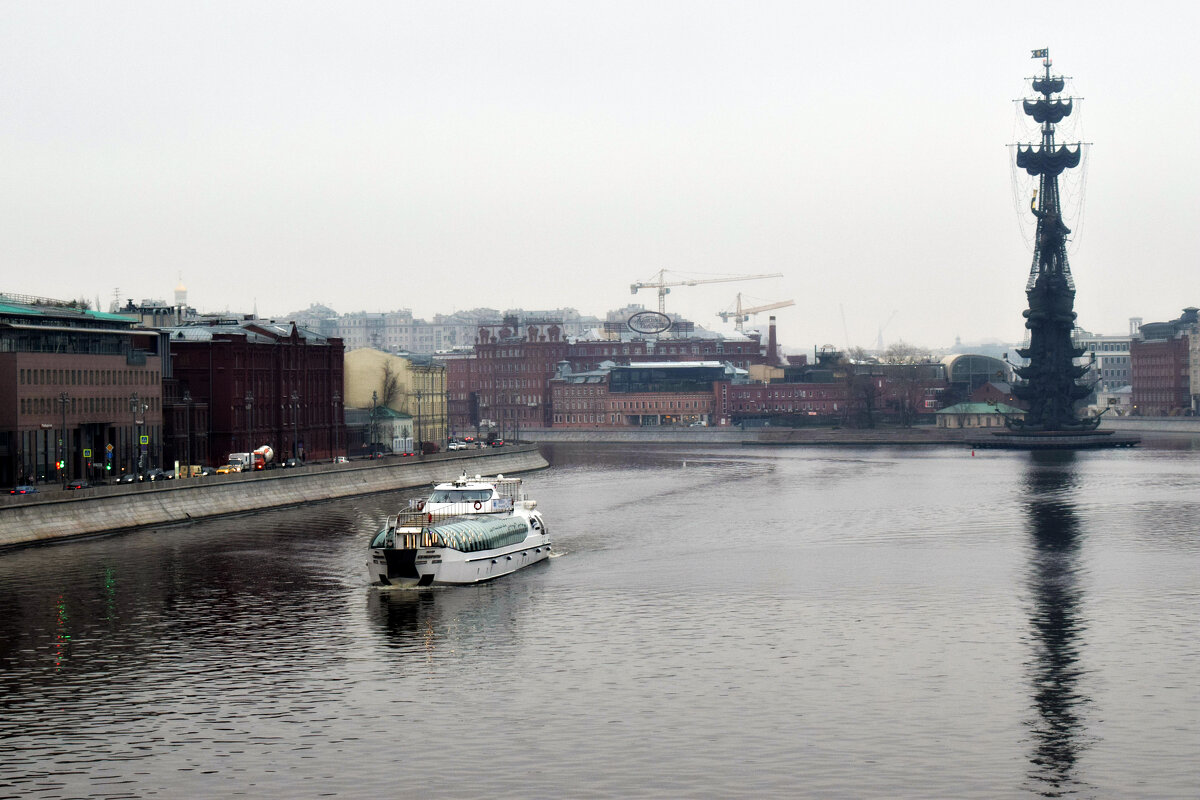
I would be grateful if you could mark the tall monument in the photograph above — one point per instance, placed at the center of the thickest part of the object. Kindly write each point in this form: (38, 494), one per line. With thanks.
(1050, 384)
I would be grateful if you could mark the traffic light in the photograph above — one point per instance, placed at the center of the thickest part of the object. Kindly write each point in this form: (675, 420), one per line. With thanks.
(107, 466)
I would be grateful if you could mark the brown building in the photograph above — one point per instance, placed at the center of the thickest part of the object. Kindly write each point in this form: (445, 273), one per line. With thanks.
(263, 383)
(1161, 385)
(641, 395)
(739, 403)
(513, 365)
(78, 386)
(507, 383)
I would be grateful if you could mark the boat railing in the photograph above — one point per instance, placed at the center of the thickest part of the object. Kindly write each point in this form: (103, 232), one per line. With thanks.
(409, 530)
(497, 505)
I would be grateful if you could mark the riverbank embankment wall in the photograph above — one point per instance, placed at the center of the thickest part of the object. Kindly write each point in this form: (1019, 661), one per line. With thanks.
(1186, 425)
(881, 436)
(61, 515)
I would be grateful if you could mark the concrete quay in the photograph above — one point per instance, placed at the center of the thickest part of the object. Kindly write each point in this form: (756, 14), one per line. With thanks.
(56, 514)
(1184, 425)
(867, 437)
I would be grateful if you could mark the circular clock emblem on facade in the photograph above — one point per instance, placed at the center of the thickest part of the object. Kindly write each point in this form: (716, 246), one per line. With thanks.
(649, 322)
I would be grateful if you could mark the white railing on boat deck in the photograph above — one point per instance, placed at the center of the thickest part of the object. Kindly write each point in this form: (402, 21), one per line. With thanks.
(498, 505)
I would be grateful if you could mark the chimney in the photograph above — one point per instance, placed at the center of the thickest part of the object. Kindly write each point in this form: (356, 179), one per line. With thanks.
(772, 345)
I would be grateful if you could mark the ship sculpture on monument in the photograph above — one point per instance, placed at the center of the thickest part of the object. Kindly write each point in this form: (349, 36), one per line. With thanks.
(1051, 383)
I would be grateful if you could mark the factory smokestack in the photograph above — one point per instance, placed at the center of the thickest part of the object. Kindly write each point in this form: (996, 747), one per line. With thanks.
(772, 345)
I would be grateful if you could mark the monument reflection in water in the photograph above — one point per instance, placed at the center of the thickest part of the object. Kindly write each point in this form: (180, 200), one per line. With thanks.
(1056, 624)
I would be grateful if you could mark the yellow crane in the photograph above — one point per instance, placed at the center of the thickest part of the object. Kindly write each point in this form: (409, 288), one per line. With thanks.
(661, 283)
(742, 314)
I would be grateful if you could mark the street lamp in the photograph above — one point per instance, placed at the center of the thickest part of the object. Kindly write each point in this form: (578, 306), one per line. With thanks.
(336, 398)
(187, 401)
(295, 425)
(420, 444)
(249, 402)
(139, 419)
(374, 400)
(64, 443)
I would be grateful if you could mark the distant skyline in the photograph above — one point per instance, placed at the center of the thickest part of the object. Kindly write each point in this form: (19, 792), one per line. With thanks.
(373, 155)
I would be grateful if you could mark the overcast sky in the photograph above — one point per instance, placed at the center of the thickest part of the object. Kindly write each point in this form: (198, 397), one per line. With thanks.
(449, 155)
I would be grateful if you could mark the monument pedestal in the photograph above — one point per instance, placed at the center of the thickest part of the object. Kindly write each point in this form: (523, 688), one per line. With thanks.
(1055, 440)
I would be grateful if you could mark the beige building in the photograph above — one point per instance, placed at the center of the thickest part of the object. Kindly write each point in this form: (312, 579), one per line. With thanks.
(977, 415)
(410, 384)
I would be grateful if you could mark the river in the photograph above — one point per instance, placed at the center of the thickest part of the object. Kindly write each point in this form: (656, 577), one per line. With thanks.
(718, 622)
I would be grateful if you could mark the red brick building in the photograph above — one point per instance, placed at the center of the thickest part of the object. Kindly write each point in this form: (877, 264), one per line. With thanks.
(640, 395)
(73, 382)
(513, 366)
(264, 383)
(507, 382)
(1161, 386)
(763, 400)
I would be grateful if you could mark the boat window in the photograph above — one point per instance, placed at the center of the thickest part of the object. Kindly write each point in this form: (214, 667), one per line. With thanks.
(459, 495)
(380, 538)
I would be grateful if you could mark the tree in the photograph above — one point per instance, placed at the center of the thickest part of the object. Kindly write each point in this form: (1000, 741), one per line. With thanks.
(858, 355)
(906, 393)
(862, 398)
(904, 353)
(389, 389)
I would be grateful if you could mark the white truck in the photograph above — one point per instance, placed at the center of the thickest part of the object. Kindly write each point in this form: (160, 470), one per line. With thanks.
(258, 459)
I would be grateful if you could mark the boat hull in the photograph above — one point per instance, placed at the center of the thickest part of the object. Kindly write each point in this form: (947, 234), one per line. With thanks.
(444, 566)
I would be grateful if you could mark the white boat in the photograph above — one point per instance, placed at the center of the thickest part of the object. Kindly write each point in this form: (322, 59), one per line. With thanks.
(467, 531)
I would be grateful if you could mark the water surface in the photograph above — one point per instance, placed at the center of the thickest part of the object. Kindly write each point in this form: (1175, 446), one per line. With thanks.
(720, 621)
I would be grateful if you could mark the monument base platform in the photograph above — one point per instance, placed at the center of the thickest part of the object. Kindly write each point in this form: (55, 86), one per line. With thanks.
(1055, 440)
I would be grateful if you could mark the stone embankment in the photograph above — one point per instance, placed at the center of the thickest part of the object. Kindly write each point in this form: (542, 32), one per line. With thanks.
(1184, 425)
(923, 435)
(56, 514)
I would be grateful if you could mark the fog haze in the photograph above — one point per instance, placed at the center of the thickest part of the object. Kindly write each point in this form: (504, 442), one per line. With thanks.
(371, 156)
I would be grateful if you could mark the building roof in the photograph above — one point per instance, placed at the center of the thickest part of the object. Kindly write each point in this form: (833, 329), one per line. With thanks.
(206, 333)
(257, 331)
(386, 412)
(982, 408)
(670, 364)
(44, 309)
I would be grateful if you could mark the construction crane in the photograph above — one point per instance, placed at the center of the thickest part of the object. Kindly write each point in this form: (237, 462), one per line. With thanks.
(879, 339)
(743, 314)
(663, 285)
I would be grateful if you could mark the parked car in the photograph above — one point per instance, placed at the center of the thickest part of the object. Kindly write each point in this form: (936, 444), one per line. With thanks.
(226, 469)
(78, 483)
(23, 490)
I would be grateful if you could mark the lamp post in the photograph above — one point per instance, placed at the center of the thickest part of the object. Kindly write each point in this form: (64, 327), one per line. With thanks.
(336, 398)
(295, 425)
(139, 419)
(420, 444)
(249, 403)
(64, 443)
(133, 401)
(371, 444)
(187, 401)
